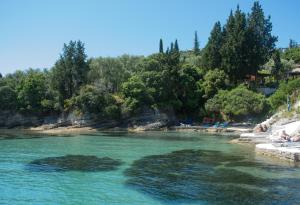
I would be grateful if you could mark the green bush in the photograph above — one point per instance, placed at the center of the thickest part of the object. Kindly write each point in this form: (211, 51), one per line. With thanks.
(31, 91)
(8, 98)
(136, 94)
(112, 111)
(93, 100)
(90, 99)
(292, 54)
(285, 89)
(237, 103)
(213, 81)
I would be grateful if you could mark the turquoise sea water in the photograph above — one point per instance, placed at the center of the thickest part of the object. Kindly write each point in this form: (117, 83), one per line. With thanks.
(156, 168)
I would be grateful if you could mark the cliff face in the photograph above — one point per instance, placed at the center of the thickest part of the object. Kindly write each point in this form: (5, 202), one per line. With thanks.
(11, 120)
(148, 119)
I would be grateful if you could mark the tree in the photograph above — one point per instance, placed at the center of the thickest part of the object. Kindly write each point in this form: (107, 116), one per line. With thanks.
(292, 54)
(234, 48)
(189, 90)
(0, 75)
(167, 51)
(212, 56)
(172, 47)
(196, 44)
(279, 97)
(136, 94)
(277, 70)
(213, 81)
(70, 71)
(176, 47)
(31, 91)
(12, 80)
(237, 103)
(293, 44)
(260, 41)
(8, 98)
(161, 46)
(162, 73)
(90, 99)
(93, 100)
(109, 73)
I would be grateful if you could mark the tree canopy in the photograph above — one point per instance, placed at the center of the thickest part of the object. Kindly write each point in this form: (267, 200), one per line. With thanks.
(184, 81)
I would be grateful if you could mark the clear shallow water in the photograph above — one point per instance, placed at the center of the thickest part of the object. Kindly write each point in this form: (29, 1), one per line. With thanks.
(155, 168)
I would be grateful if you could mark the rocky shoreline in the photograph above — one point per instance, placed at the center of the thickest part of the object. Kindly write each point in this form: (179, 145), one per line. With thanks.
(270, 142)
(266, 143)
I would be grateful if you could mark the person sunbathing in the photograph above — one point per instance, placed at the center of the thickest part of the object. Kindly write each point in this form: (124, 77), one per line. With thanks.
(265, 128)
(259, 128)
(295, 139)
(285, 136)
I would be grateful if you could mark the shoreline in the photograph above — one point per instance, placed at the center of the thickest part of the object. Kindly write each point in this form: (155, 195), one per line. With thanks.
(262, 146)
(75, 129)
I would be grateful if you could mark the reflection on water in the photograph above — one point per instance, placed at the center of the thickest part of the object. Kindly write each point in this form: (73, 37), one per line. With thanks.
(27, 135)
(197, 175)
(152, 168)
(123, 134)
(74, 163)
(150, 136)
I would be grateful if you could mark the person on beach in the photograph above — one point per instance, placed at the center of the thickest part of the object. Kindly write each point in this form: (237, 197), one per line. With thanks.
(265, 128)
(289, 138)
(285, 136)
(295, 139)
(261, 128)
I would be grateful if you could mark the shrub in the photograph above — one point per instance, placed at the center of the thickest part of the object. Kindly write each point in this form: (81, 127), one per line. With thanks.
(280, 96)
(8, 98)
(292, 54)
(237, 103)
(136, 94)
(214, 80)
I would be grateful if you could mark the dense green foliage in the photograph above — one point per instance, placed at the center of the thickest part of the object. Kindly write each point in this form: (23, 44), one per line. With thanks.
(212, 56)
(243, 45)
(196, 44)
(31, 91)
(136, 94)
(70, 71)
(292, 54)
(237, 103)
(213, 81)
(285, 89)
(181, 81)
(92, 100)
(8, 98)
(161, 46)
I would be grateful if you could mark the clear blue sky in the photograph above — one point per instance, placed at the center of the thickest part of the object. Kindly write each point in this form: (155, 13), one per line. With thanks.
(33, 31)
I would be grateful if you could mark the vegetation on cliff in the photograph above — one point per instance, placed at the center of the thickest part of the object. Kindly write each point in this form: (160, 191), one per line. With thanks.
(191, 82)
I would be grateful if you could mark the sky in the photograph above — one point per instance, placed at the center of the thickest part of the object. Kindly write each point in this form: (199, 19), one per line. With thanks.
(32, 32)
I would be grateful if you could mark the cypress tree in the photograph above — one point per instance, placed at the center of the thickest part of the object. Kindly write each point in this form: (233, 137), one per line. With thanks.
(168, 51)
(161, 46)
(277, 64)
(261, 43)
(211, 54)
(293, 44)
(176, 47)
(172, 47)
(234, 48)
(196, 44)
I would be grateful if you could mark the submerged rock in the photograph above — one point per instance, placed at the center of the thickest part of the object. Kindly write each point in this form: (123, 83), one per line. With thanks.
(196, 175)
(74, 163)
